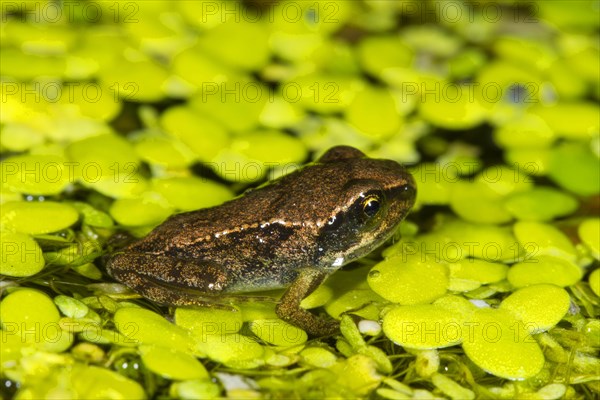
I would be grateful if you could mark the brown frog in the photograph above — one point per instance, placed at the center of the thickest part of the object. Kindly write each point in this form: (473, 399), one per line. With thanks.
(291, 232)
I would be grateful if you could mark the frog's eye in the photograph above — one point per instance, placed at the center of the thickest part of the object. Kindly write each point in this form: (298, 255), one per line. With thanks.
(371, 206)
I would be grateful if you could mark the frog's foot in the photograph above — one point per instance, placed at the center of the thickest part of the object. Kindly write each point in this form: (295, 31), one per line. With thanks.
(170, 281)
(289, 307)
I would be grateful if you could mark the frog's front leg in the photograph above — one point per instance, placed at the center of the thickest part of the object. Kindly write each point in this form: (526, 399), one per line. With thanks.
(290, 311)
(168, 280)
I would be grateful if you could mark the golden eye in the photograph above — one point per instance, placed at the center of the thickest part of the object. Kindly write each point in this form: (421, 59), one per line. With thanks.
(371, 206)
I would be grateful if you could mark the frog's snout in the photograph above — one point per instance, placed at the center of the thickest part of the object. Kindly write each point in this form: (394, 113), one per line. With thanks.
(405, 192)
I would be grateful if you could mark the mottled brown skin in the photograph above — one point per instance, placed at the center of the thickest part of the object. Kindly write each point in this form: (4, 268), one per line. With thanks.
(293, 231)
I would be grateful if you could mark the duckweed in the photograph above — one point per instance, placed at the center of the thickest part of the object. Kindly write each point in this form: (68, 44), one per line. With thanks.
(453, 110)
(195, 389)
(544, 269)
(594, 281)
(540, 204)
(576, 168)
(191, 193)
(259, 146)
(374, 113)
(32, 317)
(318, 357)
(141, 326)
(36, 218)
(409, 281)
(234, 350)
(358, 301)
(277, 332)
(206, 321)
(203, 136)
(423, 326)
(589, 232)
(21, 255)
(101, 156)
(92, 382)
(37, 174)
(140, 211)
(172, 364)
(539, 238)
(576, 120)
(472, 203)
(540, 307)
(112, 124)
(451, 388)
(497, 345)
(163, 151)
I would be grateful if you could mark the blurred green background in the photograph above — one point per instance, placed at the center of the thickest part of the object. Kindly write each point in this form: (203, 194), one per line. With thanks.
(117, 114)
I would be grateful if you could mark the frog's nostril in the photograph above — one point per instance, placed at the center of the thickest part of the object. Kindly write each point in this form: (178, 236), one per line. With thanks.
(407, 192)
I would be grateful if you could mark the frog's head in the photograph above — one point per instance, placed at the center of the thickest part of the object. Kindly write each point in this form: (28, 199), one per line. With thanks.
(374, 195)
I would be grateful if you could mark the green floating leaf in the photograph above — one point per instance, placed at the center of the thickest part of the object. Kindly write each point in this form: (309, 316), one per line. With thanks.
(171, 363)
(92, 216)
(235, 103)
(164, 151)
(409, 281)
(32, 316)
(318, 357)
(357, 301)
(456, 239)
(102, 156)
(379, 53)
(195, 389)
(203, 321)
(278, 332)
(594, 281)
(544, 269)
(480, 271)
(37, 217)
(589, 232)
(141, 80)
(538, 238)
(191, 193)
(36, 174)
(71, 307)
(21, 255)
(451, 388)
(247, 43)
(475, 202)
(140, 211)
(540, 307)
(424, 326)
(524, 131)
(90, 382)
(503, 180)
(540, 204)
(233, 350)
(321, 296)
(141, 326)
(202, 135)
(453, 108)
(576, 120)
(497, 345)
(358, 373)
(434, 187)
(576, 168)
(374, 113)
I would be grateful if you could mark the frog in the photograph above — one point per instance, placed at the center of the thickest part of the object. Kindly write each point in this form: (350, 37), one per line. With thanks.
(290, 233)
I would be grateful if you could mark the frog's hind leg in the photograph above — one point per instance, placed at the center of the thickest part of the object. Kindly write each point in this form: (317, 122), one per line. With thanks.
(171, 281)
